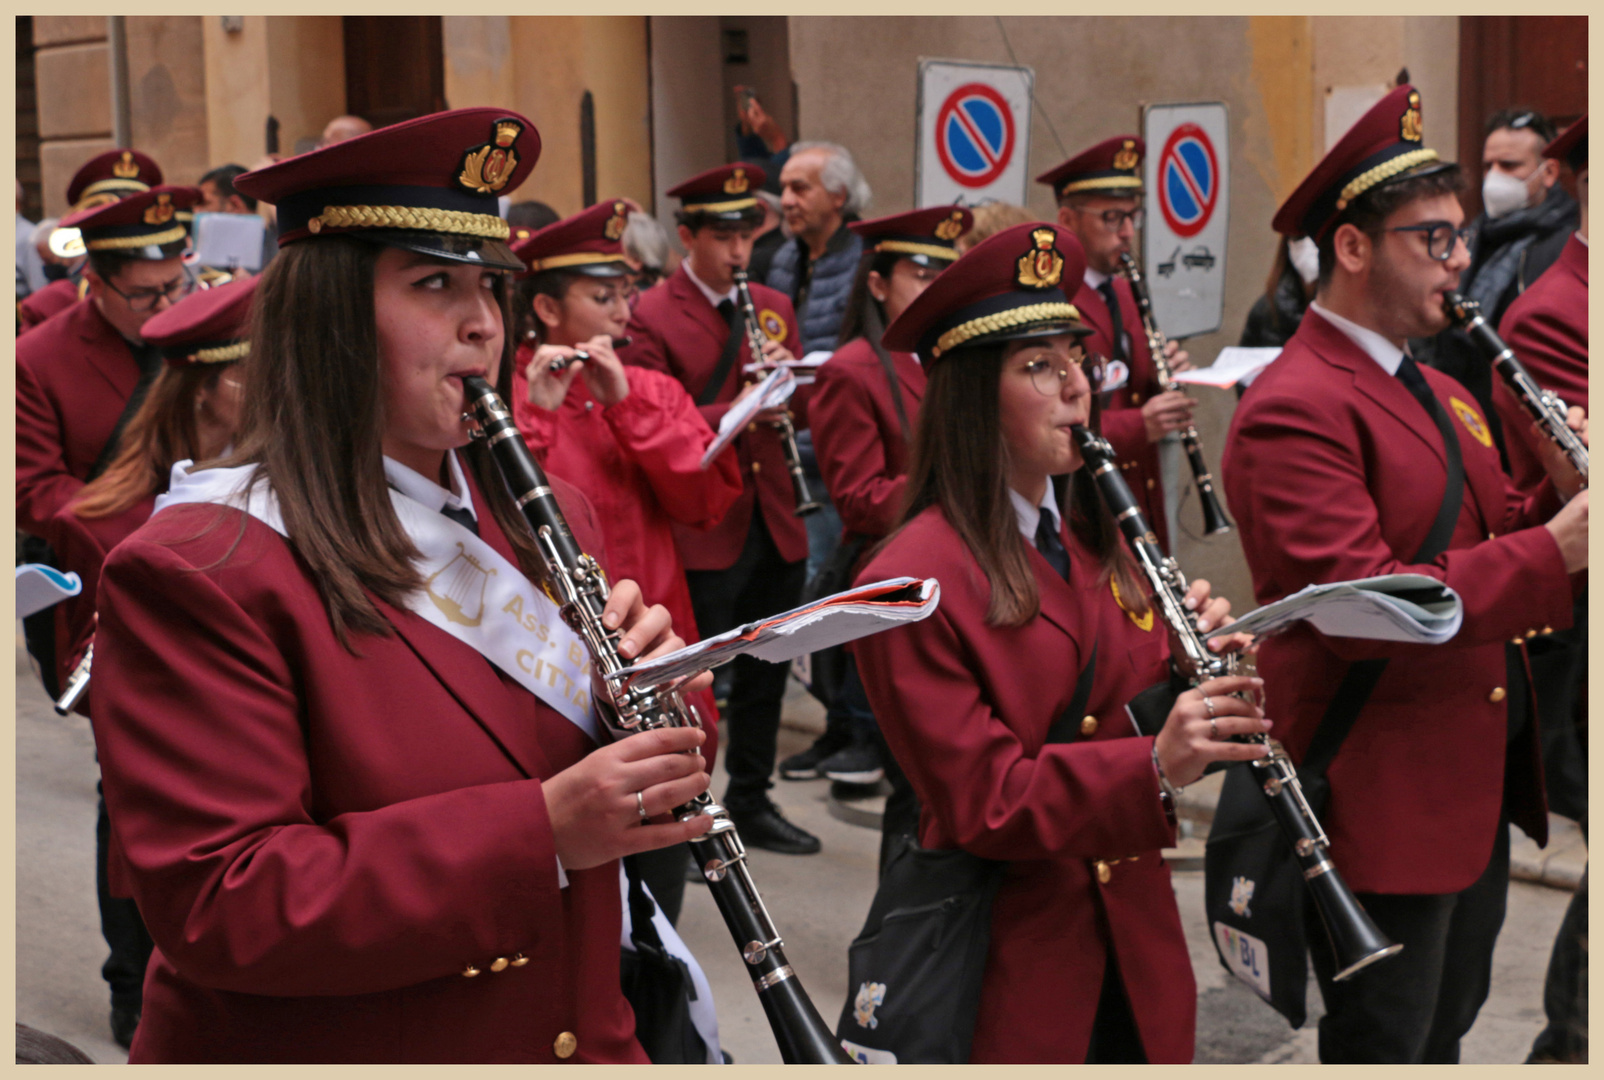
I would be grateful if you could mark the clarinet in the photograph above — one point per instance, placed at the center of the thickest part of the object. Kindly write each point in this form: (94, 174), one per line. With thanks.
(77, 683)
(576, 582)
(1543, 406)
(1214, 519)
(805, 503)
(1356, 941)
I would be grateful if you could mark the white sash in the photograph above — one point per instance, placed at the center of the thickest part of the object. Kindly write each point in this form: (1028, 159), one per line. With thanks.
(470, 591)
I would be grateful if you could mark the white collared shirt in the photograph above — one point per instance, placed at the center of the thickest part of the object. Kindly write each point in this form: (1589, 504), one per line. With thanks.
(1095, 278)
(712, 297)
(1581, 238)
(1029, 516)
(1378, 348)
(420, 489)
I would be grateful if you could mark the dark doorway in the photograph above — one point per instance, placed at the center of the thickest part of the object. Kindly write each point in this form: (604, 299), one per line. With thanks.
(1537, 62)
(394, 67)
(27, 123)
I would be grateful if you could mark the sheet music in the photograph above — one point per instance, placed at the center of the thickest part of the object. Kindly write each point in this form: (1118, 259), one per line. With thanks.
(774, 390)
(1392, 607)
(40, 586)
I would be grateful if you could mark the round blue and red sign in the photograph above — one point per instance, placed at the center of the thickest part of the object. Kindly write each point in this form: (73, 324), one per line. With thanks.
(1188, 180)
(975, 135)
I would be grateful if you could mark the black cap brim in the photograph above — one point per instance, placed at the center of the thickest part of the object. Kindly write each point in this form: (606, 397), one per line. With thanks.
(472, 250)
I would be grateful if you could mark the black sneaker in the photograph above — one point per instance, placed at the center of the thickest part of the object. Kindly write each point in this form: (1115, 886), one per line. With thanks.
(805, 765)
(763, 826)
(858, 763)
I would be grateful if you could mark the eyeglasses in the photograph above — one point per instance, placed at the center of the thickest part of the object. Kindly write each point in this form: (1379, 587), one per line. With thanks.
(1049, 377)
(143, 300)
(1441, 237)
(1113, 219)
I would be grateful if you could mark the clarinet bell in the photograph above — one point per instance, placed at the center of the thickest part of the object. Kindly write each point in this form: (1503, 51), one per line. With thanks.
(1356, 941)
(1214, 519)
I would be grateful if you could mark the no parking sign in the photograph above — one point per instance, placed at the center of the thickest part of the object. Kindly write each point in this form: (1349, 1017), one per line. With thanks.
(1187, 177)
(973, 138)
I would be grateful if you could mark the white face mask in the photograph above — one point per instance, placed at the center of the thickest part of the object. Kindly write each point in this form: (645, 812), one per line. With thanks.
(1305, 258)
(1503, 194)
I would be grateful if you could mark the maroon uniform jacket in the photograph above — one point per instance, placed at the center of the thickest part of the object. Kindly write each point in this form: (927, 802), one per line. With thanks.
(74, 376)
(81, 547)
(862, 449)
(34, 309)
(675, 330)
(1335, 472)
(320, 842)
(1546, 327)
(1122, 423)
(966, 708)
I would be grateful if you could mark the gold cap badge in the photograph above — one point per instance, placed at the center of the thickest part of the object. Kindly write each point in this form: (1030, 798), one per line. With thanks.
(1409, 126)
(161, 212)
(1042, 266)
(1127, 157)
(615, 224)
(486, 168)
(952, 228)
(738, 183)
(125, 167)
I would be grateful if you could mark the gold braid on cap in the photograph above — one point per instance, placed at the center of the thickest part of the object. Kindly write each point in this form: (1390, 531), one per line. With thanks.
(1101, 183)
(719, 207)
(107, 187)
(578, 258)
(1385, 171)
(113, 243)
(459, 222)
(222, 354)
(1004, 320)
(908, 247)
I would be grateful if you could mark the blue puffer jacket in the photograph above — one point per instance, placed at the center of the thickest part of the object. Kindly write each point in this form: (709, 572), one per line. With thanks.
(826, 306)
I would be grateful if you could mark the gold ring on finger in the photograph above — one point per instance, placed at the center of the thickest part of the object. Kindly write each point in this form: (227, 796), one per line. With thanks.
(640, 804)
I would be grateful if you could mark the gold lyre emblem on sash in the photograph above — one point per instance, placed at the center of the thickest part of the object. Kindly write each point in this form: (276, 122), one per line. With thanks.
(461, 584)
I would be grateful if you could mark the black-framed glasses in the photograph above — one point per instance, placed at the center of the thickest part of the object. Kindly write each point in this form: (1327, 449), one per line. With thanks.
(143, 300)
(1441, 237)
(1115, 218)
(1049, 377)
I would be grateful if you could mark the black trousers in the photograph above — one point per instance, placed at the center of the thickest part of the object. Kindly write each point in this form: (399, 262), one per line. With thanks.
(1564, 1038)
(760, 583)
(663, 872)
(1414, 1007)
(121, 926)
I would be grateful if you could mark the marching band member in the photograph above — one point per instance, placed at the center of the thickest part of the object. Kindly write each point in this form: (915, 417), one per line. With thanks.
(1099, 193)
(1087, 959)
(347, 744)
(629, 437)
(751, 564)
(1338, 464)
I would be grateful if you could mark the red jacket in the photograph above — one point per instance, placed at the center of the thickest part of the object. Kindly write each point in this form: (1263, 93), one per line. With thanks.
(1335, 472)
(74, 376)
(676, 331)
(1122, 424)
(81, 547)
(966, 707)
(639, 463)
(1546, 327)
(35, 308)
(862, 449)
(319, 841)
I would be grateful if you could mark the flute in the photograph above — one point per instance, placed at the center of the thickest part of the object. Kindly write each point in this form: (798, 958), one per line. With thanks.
(561, 363)
(805, 503)
(1356, 941)
(1543, 406)
(1214, 519)
(576, 583)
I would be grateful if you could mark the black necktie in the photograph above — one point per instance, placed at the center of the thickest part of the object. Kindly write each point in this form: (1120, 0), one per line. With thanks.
(462, 516)
(1050, 546)
(1109, 298)
(1409, 374)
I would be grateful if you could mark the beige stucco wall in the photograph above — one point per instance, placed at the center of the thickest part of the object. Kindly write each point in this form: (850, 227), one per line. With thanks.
(687, 113)
(167, 93)
(857, 85)
(291, 67)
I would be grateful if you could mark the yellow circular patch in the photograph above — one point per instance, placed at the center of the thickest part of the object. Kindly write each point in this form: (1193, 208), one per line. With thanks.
(1144, 622)
(1472, 421)
(772, 324)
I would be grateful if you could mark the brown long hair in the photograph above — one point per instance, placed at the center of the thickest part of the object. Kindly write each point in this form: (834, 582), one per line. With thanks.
(960, 463)
(162, 431)
(313, 419)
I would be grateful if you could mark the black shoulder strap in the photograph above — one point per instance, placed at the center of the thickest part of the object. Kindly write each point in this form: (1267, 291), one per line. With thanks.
(641, 908)
(1362, 676)
(148, 371)
(726, 359)
(873, 329)
(1067, 727)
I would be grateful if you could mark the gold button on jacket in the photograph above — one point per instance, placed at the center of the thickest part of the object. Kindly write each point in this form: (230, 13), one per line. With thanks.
(565, 1045)
(1088, 726)
(1103, 872)
(757, 466)
(1497, 695)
